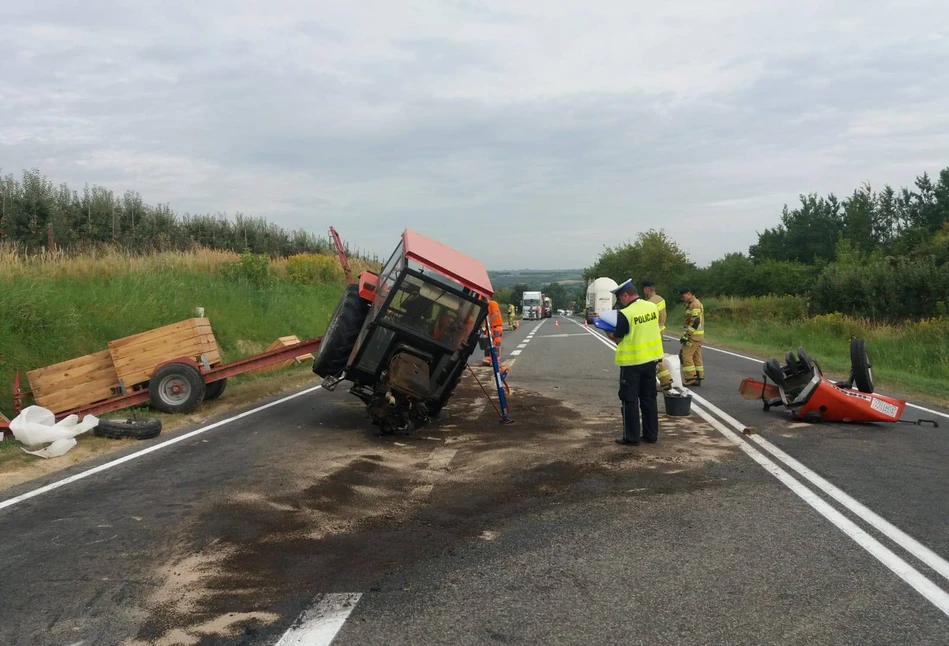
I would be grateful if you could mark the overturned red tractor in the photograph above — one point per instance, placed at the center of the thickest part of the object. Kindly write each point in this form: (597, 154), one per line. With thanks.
(801, 387)
(403, 337)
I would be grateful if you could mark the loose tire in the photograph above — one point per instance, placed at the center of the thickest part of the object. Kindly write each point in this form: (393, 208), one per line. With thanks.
(133, 429)
(341, 333)
(215, 389)
(176, 388)
(860, 365)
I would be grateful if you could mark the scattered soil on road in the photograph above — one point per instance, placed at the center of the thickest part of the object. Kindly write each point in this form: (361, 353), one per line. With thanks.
(365, 506)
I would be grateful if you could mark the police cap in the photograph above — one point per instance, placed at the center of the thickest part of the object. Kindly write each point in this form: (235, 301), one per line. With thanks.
(627, 286)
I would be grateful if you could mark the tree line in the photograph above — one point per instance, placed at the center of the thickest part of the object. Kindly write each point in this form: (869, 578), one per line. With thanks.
(36, 215)
(879, 255)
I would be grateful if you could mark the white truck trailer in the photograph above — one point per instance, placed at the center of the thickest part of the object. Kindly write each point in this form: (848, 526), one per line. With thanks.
(600, 297)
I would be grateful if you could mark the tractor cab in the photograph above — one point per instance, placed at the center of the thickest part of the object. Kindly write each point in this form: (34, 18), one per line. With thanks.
(403, 337)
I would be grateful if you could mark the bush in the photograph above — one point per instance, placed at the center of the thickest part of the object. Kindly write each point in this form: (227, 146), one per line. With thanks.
(251, 268)
(783, 309)
(314, 268)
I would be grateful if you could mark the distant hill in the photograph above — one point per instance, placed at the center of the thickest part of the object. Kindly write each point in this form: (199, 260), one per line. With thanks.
(535, 277)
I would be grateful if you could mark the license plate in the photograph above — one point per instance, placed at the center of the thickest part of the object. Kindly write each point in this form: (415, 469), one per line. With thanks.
(886, 408)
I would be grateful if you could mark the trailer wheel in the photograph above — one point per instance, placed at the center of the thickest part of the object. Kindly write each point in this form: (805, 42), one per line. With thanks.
(176, 388)
(133, 429)
(215, 389)
(341, 333)
(860, 365)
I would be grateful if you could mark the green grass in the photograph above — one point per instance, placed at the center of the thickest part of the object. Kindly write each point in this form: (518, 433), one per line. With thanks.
(53, 316)
(910, 360)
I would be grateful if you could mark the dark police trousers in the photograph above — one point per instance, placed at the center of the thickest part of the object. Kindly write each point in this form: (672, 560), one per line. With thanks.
(637, 385)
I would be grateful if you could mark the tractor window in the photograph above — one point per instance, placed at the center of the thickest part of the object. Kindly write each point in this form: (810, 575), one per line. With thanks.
(429, 310)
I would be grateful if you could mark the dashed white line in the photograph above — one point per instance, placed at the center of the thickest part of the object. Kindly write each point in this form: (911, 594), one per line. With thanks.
(157, 447)
(319, 625)
(522, 346)
(515, 353)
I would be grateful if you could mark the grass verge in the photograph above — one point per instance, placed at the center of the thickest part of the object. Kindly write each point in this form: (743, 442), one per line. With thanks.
(909, 360)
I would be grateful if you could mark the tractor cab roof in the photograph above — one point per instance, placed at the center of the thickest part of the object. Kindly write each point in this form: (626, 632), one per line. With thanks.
(463, 268)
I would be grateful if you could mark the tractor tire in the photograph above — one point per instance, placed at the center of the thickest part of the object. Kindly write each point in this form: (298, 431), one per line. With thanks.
(862, 370)
(772, 370)
(132, 429)
(805, 358)
(794, 367)
(215, 389)
(341, 333)
(176, 388)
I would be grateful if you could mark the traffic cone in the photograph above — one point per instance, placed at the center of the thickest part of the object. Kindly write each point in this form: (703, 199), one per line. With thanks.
(585, 324)
(556, 323)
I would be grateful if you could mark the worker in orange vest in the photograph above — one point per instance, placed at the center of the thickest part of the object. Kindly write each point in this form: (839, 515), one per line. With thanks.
(496, 325)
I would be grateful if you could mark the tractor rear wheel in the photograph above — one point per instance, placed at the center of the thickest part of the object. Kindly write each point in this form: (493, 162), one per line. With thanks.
(341, 333)
(860, 365)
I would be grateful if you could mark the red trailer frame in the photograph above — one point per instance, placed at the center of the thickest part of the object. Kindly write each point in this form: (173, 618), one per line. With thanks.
(210, 375)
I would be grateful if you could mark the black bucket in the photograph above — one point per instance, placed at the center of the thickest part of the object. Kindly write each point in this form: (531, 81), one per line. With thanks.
(677, 405)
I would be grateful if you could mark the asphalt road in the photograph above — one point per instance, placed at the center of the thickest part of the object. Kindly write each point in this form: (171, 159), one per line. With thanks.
(474, 532)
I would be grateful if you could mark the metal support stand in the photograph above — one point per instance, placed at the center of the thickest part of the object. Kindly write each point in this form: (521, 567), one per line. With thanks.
(499, 381)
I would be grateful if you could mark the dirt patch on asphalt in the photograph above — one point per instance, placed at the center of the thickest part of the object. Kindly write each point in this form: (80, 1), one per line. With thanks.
(364, 506)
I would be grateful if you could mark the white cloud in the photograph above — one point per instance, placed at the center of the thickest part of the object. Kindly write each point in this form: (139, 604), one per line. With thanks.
(551, 124)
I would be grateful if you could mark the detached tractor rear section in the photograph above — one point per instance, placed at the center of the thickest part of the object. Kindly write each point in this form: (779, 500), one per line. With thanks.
(403, 337)
(799, 385)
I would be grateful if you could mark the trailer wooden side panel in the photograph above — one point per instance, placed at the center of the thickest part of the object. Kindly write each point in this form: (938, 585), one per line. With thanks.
(74, 383)
(135, 357)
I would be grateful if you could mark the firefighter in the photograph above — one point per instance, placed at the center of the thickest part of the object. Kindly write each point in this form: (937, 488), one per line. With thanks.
(496, 325)
(662, 370)
(511, 315)
(693, 370)
(639, 348)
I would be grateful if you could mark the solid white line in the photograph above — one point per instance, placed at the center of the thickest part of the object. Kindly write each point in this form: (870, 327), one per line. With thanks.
(876, 521)
(936, 595)
(319, 624)
(911, 545)
(151, 449)
(741, 356)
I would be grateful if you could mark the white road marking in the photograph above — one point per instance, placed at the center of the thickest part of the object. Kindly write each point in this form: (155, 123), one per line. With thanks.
(515, 353)
(475, 408)
(522, 346)
(319, 625)
(560, 336)
(901, 568)
(157, 447)
(876, 521)
(741, 356)
(936, 595)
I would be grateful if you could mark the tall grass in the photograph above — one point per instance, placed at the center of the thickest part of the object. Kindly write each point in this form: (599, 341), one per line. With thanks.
(910, 358)
(56, 307)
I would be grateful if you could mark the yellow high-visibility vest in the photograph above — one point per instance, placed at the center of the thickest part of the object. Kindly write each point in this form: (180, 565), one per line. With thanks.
(644, 341)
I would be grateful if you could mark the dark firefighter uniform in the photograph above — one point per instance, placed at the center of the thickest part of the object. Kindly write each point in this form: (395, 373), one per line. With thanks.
(638, 351)
(693, 370)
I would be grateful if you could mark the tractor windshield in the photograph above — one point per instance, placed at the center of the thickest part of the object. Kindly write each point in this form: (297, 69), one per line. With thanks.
(430, 310)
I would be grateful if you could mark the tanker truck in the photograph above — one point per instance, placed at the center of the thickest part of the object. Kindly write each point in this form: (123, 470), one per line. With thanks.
(600, 297)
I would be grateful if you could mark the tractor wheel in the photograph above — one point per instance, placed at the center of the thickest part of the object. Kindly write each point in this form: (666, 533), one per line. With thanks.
(772, 370)
(341, 333)
(133, 429)
(176, 388)
(794, 367)
(860, 365)
(215, 389)
(805, 358)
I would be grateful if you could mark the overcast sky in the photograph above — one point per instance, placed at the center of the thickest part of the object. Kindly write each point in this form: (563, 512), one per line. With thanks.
(529, 134)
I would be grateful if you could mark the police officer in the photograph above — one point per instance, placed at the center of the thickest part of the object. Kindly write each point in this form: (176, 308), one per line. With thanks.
(662, 370)
(639, 348)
